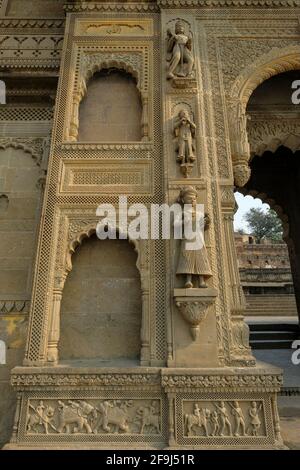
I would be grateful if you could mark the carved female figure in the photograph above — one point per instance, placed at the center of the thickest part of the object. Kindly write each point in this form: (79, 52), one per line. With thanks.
(184, 130)
(179, 49)
(193, 261)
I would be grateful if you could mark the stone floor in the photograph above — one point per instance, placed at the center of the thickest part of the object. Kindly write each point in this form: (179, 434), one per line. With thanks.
(289, 406)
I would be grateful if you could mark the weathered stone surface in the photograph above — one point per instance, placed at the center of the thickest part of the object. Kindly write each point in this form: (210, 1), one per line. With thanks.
(108, 350)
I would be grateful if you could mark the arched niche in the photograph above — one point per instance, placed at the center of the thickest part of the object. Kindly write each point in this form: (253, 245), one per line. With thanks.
(19, 216)
(101, 308)
(111, 110)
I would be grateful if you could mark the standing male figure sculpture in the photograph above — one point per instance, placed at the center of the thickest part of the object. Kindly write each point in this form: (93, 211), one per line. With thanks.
(179, 50)
(184, 130)
(193, 263)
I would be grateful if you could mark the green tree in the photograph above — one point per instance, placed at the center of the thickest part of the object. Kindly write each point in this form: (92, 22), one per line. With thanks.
(264, 224)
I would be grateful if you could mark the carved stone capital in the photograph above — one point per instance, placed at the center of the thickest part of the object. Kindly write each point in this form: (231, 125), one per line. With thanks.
(193, 305)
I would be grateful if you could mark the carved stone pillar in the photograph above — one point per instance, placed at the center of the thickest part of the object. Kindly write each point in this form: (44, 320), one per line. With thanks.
(54, 322)
(240, 148)
(240, 350)
(145, 328)
(145, 120)
(74, 122)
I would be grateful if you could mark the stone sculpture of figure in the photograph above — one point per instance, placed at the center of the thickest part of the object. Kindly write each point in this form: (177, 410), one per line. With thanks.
(193, 262)
(214, 418)
(254, 415)
(239, 419)
(224, 418)
(179, 50)
(184, 130)
(40, 409)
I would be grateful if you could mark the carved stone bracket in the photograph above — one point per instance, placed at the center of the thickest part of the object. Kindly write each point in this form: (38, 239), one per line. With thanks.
(193, 305)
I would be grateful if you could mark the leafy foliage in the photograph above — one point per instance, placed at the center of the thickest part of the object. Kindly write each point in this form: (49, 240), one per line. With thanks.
(264, 224)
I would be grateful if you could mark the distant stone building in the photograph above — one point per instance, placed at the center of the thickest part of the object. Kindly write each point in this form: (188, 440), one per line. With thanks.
(266, 277)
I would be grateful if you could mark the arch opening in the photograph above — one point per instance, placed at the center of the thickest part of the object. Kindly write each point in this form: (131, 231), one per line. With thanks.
(111, 110)
(101, 309)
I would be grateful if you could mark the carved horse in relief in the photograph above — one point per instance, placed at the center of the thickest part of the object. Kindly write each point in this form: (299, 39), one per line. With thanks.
(199, 418)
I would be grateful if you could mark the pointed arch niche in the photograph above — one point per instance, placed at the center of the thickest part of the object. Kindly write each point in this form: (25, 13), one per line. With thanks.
(111, 110)
(110, 97)
(101, 308)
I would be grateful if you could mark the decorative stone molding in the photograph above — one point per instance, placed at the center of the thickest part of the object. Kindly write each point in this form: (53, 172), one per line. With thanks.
(90, 6)
(11, 113)
(90, 59)
(216, 382)
(147, 146)
(14, 306)
(26, 378)
(269, 133)
(228, 3)
(35, 51)
(133, 28)
(32, 23)
(106, 177)
(193, 305)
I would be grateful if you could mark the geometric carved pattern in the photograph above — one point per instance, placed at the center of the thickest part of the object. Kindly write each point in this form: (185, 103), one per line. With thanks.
(105, 177)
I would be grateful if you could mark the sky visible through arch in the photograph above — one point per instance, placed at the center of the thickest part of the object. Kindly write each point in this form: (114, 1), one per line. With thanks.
(245, 203)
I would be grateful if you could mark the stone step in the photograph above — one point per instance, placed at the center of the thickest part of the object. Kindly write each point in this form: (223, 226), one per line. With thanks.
(273, 336)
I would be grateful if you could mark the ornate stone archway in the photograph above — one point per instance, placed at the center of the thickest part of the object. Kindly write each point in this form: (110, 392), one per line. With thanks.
(275, 62)
(130, 60)
(63, 267)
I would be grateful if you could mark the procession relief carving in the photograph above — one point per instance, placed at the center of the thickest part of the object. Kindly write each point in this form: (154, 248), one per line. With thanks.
(231, 419)
(180, 57)
(110, 416)
(131, 59)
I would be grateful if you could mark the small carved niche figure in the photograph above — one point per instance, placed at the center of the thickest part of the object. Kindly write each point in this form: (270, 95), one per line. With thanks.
(193, 262)
(179, 49)
(255, 421)
(184, 131)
